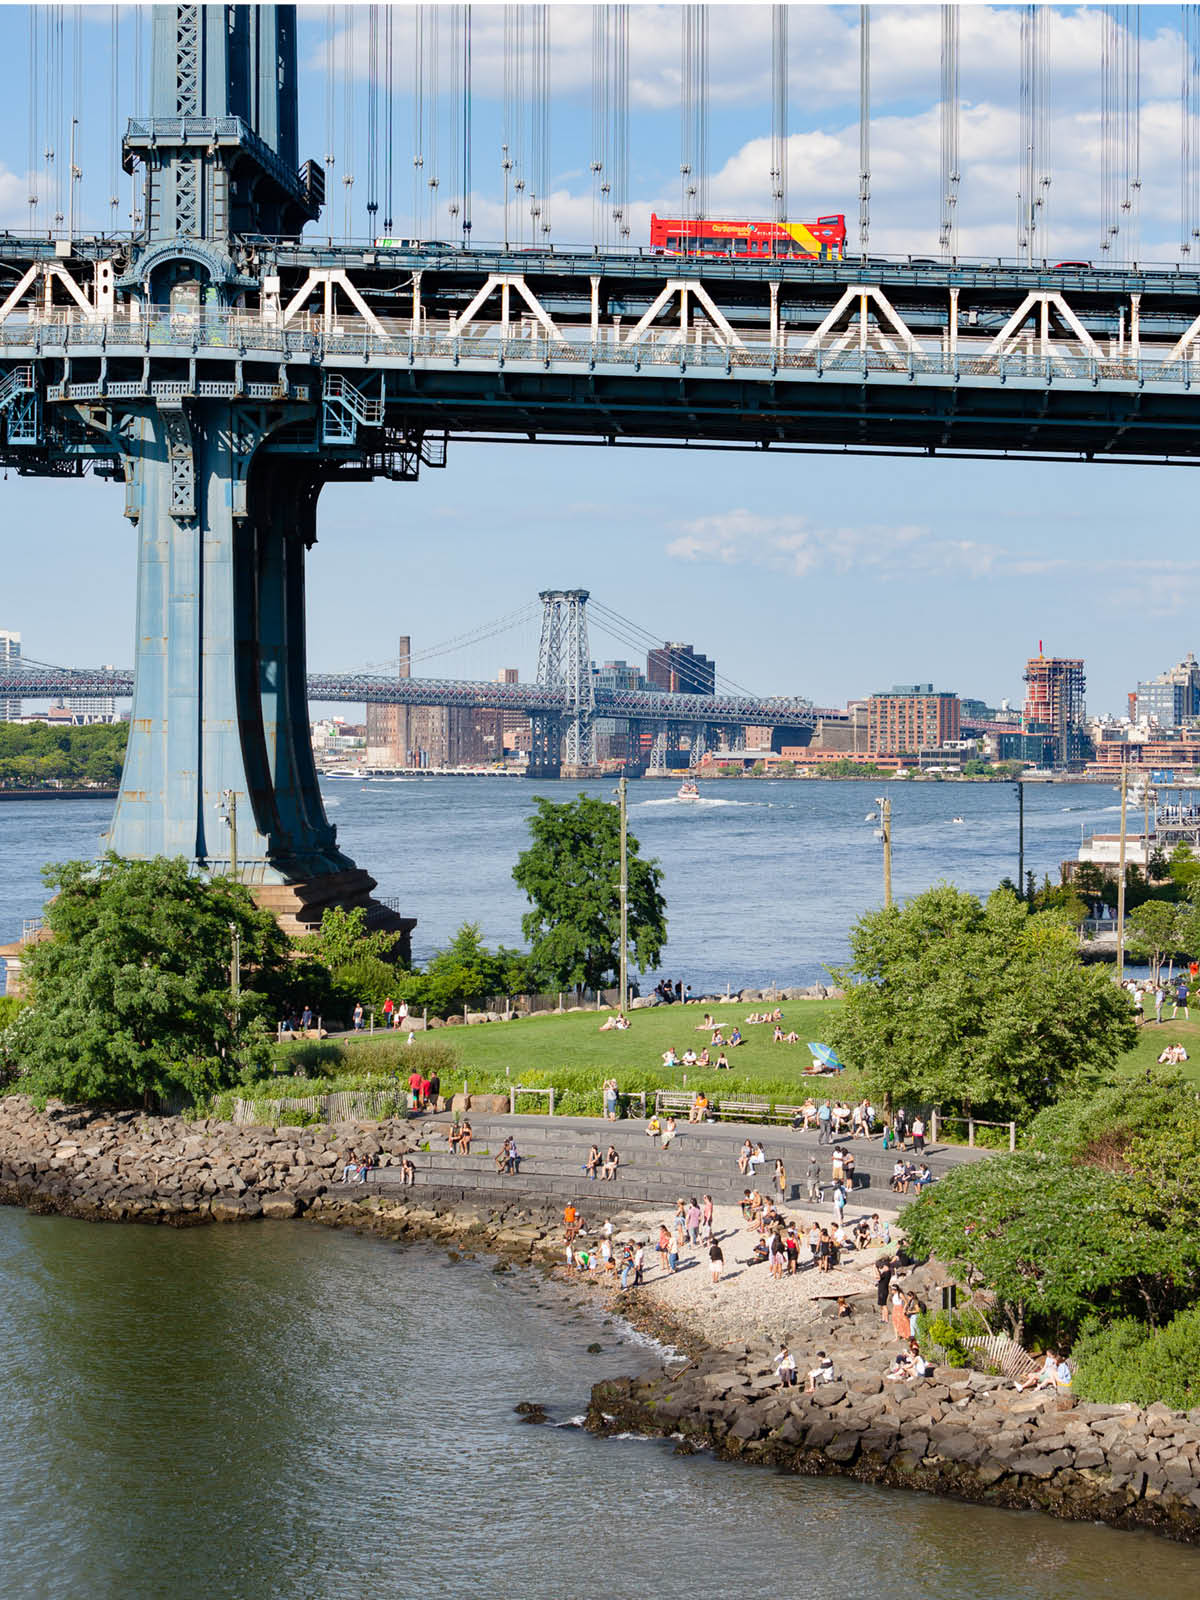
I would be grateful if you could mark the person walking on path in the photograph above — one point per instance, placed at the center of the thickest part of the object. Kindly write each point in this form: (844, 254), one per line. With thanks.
(1181, 999)
(693, 1222)
(918, 1133)
(814, 1178)
(825, 1123)
(1159, 997)
(839, 1202)
(358, 1017)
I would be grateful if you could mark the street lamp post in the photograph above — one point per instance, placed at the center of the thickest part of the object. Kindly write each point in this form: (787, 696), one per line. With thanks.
(623, 995)
(1121, 878)
(885, 834)
(227, 808)
(235, 965)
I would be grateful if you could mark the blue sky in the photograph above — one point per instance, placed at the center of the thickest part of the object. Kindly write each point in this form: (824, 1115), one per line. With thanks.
(816, 575)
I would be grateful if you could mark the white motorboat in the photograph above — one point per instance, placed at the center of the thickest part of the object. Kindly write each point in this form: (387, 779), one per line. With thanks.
(687, 790)
(871, 816)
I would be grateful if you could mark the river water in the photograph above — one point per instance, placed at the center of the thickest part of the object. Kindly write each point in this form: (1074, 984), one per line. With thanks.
(280, 1411)
(762, 878)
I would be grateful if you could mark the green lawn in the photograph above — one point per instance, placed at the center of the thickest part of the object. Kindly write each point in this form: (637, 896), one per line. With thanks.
(1153, 1037)
(570, 1053)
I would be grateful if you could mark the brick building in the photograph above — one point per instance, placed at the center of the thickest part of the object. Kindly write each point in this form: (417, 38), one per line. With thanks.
(911, 717)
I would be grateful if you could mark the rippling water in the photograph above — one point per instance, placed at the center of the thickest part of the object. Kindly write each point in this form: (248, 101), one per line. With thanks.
(280, 1411)
(762, 878)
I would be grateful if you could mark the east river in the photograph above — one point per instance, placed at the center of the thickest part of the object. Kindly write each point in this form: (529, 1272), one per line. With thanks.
(762, 879)
(279, 1411)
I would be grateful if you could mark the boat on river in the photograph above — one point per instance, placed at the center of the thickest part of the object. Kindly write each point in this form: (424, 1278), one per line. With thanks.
(688, 790)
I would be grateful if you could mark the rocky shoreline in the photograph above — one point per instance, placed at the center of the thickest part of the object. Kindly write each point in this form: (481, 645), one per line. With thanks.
(965, 1434)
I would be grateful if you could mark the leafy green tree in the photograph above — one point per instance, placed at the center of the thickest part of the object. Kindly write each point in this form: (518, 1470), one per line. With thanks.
(1051, 1241)
(1154, 931)
(466, 973)
(981, 1006)
(570, 875)
(131, 991)
(35, 754)
(1184, 867)
(344, 937)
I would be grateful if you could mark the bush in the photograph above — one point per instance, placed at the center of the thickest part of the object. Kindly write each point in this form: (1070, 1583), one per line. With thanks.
(1125, 1362)
(947, 1332)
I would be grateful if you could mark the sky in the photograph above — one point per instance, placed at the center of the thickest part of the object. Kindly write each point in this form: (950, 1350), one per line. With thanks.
(819, 575)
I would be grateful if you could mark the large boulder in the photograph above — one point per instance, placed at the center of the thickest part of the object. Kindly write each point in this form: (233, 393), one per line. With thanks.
(493, 1105)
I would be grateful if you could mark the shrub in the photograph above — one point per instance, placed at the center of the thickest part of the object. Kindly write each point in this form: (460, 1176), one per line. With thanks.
(1124, 1361)
(947, 1332)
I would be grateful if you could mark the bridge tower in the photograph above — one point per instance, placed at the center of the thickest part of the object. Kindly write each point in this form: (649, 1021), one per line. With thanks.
(223, 487)
(564, 662)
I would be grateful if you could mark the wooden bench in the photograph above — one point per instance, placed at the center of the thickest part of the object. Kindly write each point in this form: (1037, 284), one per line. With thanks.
(790, 1114)
(674, 1101)
(752, 1108)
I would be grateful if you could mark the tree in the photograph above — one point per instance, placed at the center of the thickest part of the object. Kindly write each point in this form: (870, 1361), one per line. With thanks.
(466, 973)
(1155, 930)
(1051, 1241)
(981, 1006)
(570, 874)
(131, 991)
(344, 937)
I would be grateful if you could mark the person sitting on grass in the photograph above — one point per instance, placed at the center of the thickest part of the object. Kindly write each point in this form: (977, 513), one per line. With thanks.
(703, 1059)
(669, 1058)
(722, 1059)
(735, 1038)
(777, 1036)
(689, 1057)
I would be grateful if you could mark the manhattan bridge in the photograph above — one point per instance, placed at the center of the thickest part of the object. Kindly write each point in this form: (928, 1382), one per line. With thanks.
(225, 363)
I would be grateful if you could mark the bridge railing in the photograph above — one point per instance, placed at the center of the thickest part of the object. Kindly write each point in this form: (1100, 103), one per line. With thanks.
(312, 338)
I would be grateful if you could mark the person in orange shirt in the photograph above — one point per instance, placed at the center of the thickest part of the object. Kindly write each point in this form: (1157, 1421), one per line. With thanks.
(570, 1221)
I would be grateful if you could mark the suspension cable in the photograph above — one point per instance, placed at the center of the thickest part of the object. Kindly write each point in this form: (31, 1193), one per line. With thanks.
(779, 113)
(948, 230)
(389, 106)
(864, 130)
(638, 638)
(620, 77)
(1189, 111)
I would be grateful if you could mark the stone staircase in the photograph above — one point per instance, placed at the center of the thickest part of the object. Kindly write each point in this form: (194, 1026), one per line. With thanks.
(701, 1160)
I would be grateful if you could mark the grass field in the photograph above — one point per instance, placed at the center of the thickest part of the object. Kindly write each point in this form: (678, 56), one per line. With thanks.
(570, 1053)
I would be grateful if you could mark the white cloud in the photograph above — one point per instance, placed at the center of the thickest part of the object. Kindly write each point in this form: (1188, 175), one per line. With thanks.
(795, 545)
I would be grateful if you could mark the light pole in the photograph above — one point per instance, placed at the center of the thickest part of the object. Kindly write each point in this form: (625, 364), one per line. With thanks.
(1121, 878)
(235, 966)
(227, 808)
(884, 803)
(623, 888)
(1020, 788)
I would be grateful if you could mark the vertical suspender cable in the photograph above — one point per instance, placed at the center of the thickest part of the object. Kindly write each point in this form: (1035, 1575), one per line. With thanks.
(1108, 38)
(347, 127)
(507, 125)
(1133, 171)
(864, 130)
(454, 47)
(330, 81)
(418, 119)
(702, 121)
(389, 106)
(372, 118)
(466, 131)
(685, 124)
(948, 228)
(433, 63)
(1033, 188)
(599, 116)
(779, 112)
(539, 194)
(78, 129)
(32, 133)
(620, 206)
(1189, 197)
(134, 214)
(114, 111)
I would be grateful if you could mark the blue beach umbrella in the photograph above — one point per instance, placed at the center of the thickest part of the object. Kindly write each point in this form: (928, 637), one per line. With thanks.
(826, 1056)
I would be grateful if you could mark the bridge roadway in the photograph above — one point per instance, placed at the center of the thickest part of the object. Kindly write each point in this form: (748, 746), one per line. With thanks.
(32, 681)
(381, 355)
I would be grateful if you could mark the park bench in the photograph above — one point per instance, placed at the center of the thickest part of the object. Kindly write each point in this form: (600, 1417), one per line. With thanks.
(788, 1114)
(752, 1108)
(674, 1101)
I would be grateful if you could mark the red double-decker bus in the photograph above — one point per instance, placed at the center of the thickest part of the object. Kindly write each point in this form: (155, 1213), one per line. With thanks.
(822, 240)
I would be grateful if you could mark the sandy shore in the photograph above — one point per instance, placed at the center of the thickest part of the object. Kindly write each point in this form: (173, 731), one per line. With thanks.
(747, 1303)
